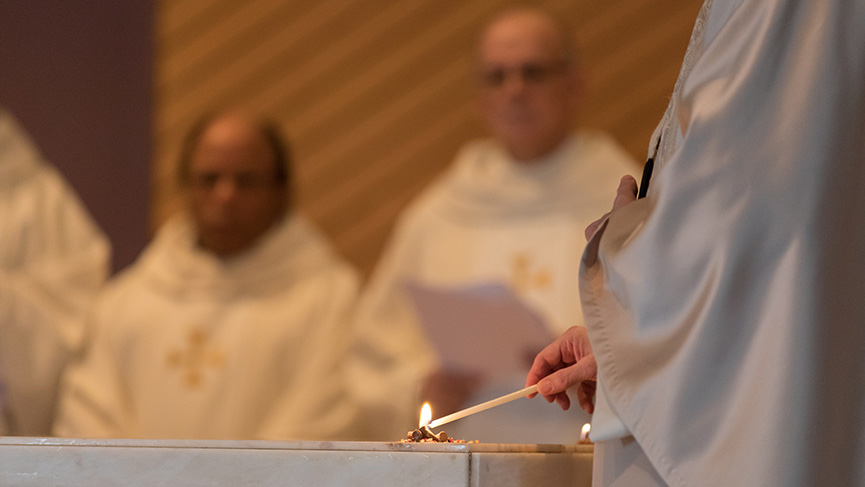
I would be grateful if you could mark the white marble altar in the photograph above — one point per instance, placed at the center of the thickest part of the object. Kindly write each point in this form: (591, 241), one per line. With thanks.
(71, 462)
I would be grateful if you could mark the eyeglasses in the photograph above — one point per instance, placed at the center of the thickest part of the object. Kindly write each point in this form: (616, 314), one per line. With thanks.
(530, 73)
(244, 181)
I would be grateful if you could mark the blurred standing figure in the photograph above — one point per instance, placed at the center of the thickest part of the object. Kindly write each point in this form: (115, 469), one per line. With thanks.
(511, 210)
(53, 259)
(233, 322)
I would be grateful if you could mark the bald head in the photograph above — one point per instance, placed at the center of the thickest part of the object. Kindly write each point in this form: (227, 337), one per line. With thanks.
(528, 84)
(246, 122)
(235, 175)
(517, 25)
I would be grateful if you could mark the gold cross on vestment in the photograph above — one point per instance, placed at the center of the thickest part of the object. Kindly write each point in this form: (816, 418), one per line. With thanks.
(195, 357)
(526, 277)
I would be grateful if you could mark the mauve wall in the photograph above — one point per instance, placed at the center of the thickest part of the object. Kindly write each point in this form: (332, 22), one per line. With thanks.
(77, 74)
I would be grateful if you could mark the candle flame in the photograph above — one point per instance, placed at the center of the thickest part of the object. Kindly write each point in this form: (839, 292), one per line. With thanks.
(584, 434)
(425, 415)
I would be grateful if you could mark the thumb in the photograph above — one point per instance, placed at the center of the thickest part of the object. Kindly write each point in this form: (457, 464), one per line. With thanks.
(626, 192)
(562, 379)
(593, 227)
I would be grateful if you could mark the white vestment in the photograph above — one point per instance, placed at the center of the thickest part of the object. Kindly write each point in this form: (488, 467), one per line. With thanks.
(187, 345)
(53, 259)
(726, 309)
(489, 219)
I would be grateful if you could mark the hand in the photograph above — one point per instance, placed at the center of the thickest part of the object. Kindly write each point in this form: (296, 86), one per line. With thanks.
(448, 390)
(566, 362)
(626, 193)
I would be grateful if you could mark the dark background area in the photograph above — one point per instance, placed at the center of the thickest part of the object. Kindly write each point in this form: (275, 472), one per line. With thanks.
(78, 77)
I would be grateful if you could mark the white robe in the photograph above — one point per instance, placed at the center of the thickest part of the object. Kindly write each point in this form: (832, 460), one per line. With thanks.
(726, 309)
(190, 346)
(53, 259)
(488, 219)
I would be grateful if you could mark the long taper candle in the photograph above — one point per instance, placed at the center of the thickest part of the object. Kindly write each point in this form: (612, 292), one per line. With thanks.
(484, 406)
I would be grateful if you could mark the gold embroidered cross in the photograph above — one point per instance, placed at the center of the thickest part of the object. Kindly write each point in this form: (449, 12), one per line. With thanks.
(195, 358)
(524, 278)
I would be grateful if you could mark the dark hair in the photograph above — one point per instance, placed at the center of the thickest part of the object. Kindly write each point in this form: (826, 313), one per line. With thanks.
(267, 128)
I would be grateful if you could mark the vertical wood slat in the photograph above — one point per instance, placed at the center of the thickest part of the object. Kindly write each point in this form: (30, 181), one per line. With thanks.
(376, 97)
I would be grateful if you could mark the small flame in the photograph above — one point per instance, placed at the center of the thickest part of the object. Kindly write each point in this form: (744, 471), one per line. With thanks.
(425, 415)
(584, 434)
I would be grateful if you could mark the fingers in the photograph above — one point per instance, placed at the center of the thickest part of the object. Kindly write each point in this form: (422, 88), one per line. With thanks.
(548, 360)
(585, 395)
(593, 227)
(562, 379)
(571, 347)
(564, 401)
(626, 192)
(540, 369)
(566, 362)
(561, 398)
(557, 382)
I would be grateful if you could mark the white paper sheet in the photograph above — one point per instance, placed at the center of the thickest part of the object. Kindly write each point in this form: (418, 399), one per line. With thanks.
(482, 328)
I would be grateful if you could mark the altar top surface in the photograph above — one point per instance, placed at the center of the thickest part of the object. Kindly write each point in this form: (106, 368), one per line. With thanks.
(298, 445)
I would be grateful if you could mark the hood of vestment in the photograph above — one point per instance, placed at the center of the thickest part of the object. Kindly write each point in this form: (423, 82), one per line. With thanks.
(486, 182)
(291, 250)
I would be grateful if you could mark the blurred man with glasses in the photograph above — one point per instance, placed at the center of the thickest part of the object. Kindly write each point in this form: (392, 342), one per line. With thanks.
(509, 212)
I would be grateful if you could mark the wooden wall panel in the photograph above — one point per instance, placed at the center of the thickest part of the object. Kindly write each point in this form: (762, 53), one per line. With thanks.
(376, 95)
